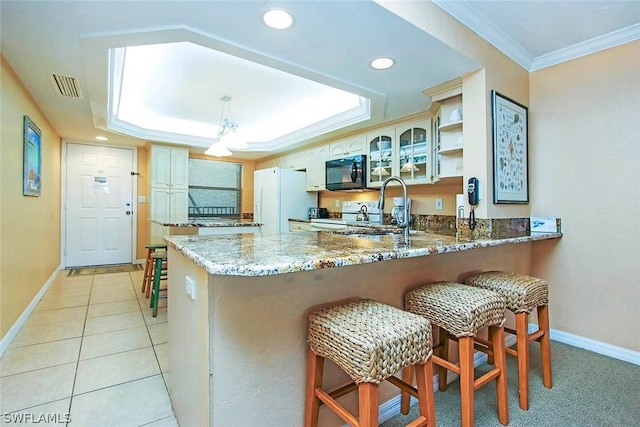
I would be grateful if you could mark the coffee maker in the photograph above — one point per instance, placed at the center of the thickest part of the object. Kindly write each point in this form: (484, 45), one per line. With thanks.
(397, 213)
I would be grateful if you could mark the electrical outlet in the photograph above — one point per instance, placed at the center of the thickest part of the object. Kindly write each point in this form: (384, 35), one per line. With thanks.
(337, 203)
(190, 287)
(439, 204)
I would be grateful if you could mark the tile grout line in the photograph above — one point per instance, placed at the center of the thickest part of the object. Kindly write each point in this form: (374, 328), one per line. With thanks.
(164, 380)
(75, 376)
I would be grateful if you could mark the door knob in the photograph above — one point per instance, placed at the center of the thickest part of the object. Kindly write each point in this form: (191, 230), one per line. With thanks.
(128, 212)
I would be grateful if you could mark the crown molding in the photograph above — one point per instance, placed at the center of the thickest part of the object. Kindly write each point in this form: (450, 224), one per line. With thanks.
(606, 41)
(501, 41)
(486, 30)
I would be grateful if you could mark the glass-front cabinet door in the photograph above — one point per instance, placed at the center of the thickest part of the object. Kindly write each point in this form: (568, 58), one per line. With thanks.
(414, 152)
(380, 148)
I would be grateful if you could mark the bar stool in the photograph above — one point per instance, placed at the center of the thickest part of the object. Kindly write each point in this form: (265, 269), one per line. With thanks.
(369, 341)
(459, 312)
(523, 294)
(160, 273)
(148, 267)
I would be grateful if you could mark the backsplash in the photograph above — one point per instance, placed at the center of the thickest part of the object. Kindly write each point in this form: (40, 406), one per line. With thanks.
(497, 228)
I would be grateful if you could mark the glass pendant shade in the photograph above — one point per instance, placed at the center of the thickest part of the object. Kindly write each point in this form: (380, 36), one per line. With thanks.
(380, 171)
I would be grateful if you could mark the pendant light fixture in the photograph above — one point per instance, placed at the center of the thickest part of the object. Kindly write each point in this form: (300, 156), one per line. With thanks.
(380, 171)
(228, 136)
(409, 166)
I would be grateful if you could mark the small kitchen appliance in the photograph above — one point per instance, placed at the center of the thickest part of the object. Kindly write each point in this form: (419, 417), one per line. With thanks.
(397, 213)
(348, 173)
(318, 213)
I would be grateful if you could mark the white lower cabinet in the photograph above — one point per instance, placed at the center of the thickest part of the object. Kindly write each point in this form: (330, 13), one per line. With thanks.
(299, 226)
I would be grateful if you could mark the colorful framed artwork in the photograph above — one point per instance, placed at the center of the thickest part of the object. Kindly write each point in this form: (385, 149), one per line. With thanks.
(510, 150)
(32, 146)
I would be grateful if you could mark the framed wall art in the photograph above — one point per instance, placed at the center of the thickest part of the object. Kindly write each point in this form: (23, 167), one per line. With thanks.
(510, 150)
(32, 142)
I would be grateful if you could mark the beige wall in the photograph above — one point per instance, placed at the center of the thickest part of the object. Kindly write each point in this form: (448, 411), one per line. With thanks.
(29, 226)
(423, 198)
(585, 168)
(143, 232)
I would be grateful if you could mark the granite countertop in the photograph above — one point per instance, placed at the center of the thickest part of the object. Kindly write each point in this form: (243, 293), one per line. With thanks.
(214, 222)
(264, 254)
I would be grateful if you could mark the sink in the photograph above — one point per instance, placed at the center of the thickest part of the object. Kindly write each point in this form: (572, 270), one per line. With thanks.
(368, 232)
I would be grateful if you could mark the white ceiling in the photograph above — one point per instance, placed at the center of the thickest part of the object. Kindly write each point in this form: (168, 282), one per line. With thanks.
(332, 43)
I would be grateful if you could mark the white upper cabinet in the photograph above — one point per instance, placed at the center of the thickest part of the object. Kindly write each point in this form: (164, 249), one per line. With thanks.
(404, 150)
(351, 146)
(450, 147)
(296, 161)
(381, 144)
(414, 152)
(316, 172)
(448, 143)
(169, 167)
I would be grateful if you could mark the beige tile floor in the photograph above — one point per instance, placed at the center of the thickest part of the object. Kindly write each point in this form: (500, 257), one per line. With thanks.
(92, 352)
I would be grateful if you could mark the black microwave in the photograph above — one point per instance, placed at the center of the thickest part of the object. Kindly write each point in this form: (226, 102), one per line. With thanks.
(347, 173)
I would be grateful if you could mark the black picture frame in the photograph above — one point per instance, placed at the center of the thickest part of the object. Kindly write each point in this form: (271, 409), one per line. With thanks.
(510, 150)
(32, 159)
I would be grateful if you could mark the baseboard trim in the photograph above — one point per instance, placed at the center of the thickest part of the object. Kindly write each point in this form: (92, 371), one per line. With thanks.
(599, 347)
(391, 408)
(11, 334)
(140, 261)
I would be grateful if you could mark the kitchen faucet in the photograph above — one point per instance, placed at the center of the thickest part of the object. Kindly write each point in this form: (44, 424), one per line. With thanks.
(405, 218)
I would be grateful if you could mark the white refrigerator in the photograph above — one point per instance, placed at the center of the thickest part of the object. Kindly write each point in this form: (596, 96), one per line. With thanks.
(280, 194)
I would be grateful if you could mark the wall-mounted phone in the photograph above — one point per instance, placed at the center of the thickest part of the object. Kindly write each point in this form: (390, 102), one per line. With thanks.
(473, 191)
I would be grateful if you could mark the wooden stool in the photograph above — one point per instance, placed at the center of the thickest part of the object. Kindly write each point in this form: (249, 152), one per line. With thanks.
(523, 294)
(370, 341)
(148, 267)
(160, 273)
(460, 311)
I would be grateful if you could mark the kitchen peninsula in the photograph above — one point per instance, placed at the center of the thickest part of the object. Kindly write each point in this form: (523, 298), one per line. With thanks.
(238, 306)
(203, 227)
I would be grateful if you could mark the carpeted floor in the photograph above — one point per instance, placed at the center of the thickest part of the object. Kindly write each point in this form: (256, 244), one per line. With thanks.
(104, 269)
(589, 390)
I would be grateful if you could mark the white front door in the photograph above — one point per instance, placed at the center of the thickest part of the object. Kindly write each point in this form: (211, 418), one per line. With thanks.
(99, 213)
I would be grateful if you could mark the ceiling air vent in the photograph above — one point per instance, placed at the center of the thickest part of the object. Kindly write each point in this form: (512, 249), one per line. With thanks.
(66, 86)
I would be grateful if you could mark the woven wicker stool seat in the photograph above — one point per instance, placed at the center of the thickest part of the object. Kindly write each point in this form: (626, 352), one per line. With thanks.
(369, 341)
(523, 294)
(459, 312)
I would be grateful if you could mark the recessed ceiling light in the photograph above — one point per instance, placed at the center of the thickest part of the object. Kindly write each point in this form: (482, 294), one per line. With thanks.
(277, 19)
(382, 63)
(102, 138)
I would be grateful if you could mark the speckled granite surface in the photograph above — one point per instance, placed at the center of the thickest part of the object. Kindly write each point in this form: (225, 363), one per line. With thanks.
(211, 223)
(265, 254)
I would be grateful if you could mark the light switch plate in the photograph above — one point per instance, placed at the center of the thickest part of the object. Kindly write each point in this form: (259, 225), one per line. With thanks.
(439, 204)
(142, 199)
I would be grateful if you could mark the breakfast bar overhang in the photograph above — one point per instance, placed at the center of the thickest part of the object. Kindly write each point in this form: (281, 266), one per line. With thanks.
(238, 307)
